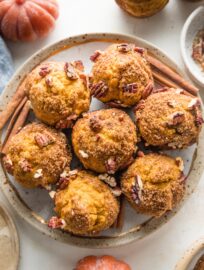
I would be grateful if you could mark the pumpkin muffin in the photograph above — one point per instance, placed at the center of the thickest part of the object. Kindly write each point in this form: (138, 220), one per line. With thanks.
(104, 140)
(121, 75)
(141, 8)
(154, 183)
(37, 155)
(169, 119)
(84, 204)
(58, 92)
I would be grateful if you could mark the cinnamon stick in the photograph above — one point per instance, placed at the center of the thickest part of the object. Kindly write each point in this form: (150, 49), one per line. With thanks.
(17, 126)
(121, 215)
(12, 105)
(176, 78)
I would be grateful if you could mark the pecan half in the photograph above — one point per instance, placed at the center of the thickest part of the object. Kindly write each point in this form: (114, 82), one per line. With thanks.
(130, 88)
(124, 47)
(43, 140)
(136, 190)
(25, 165)
(70, 71)
(139, 50)
(176, 119)
(95, 56)
(67, 122)
(110, 165)
(8, 164)
(44, 71)
(56, 223)
(110, 180)
(99, 89)
(95, 123)
(148, 90)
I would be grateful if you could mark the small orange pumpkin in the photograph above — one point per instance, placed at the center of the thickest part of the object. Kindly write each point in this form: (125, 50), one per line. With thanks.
(101, 263)
(27, 20)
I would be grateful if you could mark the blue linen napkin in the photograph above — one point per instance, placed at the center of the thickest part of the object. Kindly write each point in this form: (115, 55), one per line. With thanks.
(6, 65)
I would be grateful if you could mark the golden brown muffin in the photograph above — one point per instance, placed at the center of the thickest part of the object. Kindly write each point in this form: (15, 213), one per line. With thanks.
(101, 263)
(58, 92)
(104, 140)
(85, 205)
(154, 183)
(169, 119)
(141, 8)
(121, 75)
(37, 155)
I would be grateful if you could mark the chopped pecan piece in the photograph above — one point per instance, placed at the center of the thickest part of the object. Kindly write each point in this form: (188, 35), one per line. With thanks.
(99, 89)
(63, 182)
(139, 50)
(71, 73)
(171, 103)
(38, 174)
(67, 122)
(110, 180)
(95, 56)
(176, 119)
(124, 47)
(194, 103)
(116, 104)
(25, 165)
(8, 164)
(116, 191)
(52, 194)
(140, 153)
(44, 71)
(56, 223)
(180, 163)
(43, 140)
(83, 154)
(199, 120)
(110, 165)
(95, 124)
(136, 191)
(130, 88)
(148, 90)
(49, 81)
(78, 65)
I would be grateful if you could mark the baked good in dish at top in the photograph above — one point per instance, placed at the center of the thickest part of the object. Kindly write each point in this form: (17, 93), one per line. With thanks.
(141, 8)
(104, 140)
(154, 183)
(37, 155)
(84, 204)
(58, 92)
(121, 75)
(101, 263)
(169, 119)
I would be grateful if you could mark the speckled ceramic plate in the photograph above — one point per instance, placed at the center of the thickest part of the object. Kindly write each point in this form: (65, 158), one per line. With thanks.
(35, 206)
(9, 242)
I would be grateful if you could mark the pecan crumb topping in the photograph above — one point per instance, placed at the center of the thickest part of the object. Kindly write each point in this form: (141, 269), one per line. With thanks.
(130, 88)
(136, 190)
(110, 180)
(99, 89)
(70, 72)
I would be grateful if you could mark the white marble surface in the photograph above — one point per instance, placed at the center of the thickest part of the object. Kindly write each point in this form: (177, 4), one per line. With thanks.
(163, 248)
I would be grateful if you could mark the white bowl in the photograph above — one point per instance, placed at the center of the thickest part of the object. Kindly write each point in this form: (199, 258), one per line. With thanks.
(193, 24)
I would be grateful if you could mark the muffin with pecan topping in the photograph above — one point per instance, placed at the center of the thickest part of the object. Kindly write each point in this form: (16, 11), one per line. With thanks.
(121, 75)
(37, 155)
(169, 119)
(104, 140)
(58, 92)
(85, 205)
(154, 183)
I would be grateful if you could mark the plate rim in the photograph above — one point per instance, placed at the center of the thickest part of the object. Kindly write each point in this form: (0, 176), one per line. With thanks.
(8, 190)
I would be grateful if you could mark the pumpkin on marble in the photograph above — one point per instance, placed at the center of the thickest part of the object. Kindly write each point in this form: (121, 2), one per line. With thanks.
(101, 263)
(27, 20)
